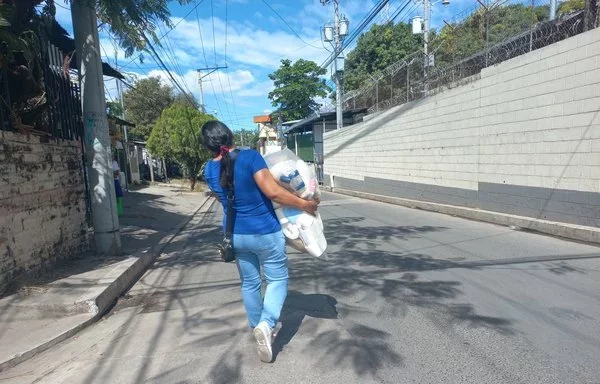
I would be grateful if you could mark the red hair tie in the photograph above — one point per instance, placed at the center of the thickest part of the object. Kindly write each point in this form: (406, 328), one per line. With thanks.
(224, 150)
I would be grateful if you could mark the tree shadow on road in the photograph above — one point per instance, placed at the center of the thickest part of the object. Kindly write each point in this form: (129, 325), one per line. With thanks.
(296, 307)
(328, 311)
(367, 278)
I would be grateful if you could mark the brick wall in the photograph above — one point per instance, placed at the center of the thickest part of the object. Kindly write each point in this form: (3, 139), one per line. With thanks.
(42, 203)
(522, 137)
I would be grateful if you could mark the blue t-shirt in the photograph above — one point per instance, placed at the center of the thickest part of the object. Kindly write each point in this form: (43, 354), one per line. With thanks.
(254, 212)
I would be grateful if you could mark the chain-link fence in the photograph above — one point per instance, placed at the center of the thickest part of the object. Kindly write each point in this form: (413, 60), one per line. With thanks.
(476, 39)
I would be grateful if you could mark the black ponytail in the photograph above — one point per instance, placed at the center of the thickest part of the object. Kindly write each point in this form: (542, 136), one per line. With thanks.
(226, 180)
(218, 138)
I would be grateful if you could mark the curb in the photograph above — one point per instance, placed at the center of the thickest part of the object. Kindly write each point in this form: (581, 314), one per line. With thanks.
(103, 302)
(553, 228)
(133, 273)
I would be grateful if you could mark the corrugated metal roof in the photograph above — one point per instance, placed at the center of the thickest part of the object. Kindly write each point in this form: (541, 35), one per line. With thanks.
(324, 115)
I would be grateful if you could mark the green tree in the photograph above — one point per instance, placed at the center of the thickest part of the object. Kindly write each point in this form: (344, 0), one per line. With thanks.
(176, 135)
(296, 86)
(144, 103)
(570, 6)
(380, 47)
(246, 138)
(479, 29)
(114, 108)
(186, 98)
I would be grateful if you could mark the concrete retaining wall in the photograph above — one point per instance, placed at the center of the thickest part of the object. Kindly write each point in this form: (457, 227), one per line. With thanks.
(523, 139)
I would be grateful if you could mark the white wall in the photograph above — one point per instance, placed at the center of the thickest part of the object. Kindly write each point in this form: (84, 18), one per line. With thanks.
(523, 138)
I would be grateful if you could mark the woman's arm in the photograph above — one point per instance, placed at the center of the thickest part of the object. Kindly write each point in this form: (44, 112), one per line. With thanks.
(267, 184)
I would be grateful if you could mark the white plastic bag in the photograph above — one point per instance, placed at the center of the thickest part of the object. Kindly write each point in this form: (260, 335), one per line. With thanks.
(303, 231)
(293, 173)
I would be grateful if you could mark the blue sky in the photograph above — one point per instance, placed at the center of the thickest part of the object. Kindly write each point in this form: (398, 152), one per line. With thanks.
(251, 39)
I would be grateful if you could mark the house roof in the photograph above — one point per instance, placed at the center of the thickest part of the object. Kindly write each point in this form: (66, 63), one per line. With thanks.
(120, 121)
(290, 122)
(327, 116)
(262, 119)
(60, 38)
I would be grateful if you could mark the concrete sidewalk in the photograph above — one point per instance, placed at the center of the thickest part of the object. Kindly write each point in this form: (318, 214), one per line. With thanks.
(46, 311)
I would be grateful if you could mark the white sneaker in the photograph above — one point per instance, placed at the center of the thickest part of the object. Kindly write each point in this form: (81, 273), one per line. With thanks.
(276, 330)
(263, 334)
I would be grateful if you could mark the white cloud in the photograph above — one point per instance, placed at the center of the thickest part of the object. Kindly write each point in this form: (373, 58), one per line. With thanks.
(107, 49)
(243, 84)
(237, 79)
(246, 43)
(261, 89)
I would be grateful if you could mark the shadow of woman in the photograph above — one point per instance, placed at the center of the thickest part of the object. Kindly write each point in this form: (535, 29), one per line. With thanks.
(296, 307)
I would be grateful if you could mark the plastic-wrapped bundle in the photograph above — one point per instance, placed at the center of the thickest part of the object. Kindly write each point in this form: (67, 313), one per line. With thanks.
(293, 173)
(303, 231)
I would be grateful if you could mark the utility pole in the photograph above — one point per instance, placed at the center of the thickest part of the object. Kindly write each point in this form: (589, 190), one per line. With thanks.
(486, 25)
(96, 138)
(200, 77)
(426, 21)
(335, 34)
(552, 9)
(387, 12)
(126, 146)
(118, 83)
(201, 92)
(426, 46)
(338, 81)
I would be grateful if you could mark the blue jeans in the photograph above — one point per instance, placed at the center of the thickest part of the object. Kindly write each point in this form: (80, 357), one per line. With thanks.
(267, 251)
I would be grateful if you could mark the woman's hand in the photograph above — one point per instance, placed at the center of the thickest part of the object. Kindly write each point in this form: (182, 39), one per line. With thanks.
(310, 206)
(275, 192)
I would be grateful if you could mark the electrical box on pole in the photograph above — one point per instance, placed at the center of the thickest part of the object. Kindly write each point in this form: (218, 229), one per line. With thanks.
(328, 34)
(417, 25)
(344, 25)
(340, 63)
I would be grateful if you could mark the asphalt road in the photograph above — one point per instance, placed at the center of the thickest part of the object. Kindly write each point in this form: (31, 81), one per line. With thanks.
(405, 296)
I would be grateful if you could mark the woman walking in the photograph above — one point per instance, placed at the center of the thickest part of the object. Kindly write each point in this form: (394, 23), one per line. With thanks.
(257, 238)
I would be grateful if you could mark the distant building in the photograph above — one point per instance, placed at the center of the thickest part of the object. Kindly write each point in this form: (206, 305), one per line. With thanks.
(305, 137)
(117, 129)
(268, 136)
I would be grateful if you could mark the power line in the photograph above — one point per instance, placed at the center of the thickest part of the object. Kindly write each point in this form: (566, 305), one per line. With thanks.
(365, 22)
(215, 52)
(401, 8)
(205, 60)
(278, 57)
(175, 63)
(223, 92)
(289, 26)
(227, 70)
(362, 25)
(201, 39)
(197, 4)
(231, 93)
(212, 17)
(226, 24)
(157, 58)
